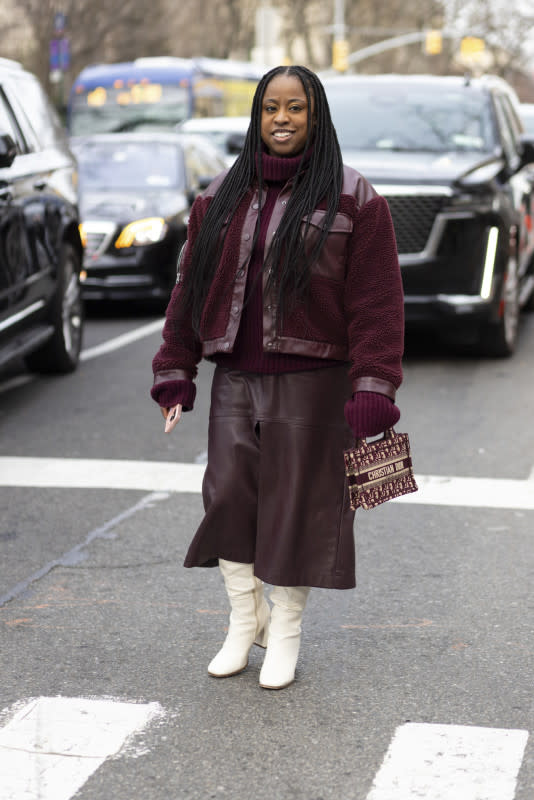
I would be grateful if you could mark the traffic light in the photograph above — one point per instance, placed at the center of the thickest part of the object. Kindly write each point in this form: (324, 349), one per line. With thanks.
(472, 46)
(340, 55)
(433, 43)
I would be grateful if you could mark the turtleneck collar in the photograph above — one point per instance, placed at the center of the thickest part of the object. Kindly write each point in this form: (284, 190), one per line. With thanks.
(277, 170)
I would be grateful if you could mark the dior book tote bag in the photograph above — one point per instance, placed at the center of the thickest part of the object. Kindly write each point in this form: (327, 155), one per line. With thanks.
(380, 470)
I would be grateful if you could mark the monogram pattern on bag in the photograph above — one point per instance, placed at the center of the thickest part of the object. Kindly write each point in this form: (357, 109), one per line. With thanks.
(379, 471)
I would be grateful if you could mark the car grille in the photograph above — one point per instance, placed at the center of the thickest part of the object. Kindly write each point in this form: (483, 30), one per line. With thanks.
(94, 243)
(413, 218)
(98, 237)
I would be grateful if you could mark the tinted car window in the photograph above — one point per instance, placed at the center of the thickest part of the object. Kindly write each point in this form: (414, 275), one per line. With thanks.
(194, 165)
(396, 117)
(513, 117)
(527, 117)
(130, 165)
(507, 135)
(38, 110)
(8, 124)
(205, 157)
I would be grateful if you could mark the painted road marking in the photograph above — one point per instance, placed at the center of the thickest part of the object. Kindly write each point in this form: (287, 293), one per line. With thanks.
(52, 745)
(450, 762)
(16, 382)
(441, 490)
(122, 340)
(84, 473)
(169, 476)
(92, 352)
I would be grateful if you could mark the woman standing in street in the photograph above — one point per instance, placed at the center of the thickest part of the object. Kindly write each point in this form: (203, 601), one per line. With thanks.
(290, 283)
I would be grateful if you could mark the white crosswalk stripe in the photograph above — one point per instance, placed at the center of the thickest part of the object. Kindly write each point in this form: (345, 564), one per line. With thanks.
(450, 762)
(169, 476)
(51, 745)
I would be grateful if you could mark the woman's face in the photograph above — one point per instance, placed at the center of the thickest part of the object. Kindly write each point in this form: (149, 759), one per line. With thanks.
(284, 116)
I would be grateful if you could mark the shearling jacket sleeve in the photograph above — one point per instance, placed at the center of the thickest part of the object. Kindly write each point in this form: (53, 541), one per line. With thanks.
(175, 364)
(374, 303)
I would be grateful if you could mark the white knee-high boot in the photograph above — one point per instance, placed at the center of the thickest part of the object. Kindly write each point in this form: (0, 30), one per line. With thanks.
(249, 619)
(278, 669)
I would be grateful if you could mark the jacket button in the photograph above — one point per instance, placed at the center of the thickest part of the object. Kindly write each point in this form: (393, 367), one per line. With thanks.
(284, 202)
(246, 236)
(256, 206)
(269, 344)
(226, 346)
(235, 309)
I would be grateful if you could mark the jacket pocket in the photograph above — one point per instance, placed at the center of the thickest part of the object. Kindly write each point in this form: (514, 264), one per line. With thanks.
(331, 262)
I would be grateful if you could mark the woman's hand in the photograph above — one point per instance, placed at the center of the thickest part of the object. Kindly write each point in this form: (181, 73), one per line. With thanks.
(172, 417)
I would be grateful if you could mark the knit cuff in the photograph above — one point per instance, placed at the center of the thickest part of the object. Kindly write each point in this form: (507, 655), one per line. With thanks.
(370, 413)
(171, 393)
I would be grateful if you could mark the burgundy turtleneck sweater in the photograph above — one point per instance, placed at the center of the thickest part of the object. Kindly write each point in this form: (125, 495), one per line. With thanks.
(247, 354)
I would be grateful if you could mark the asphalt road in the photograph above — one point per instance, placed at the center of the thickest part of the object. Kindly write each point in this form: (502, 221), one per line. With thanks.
(440, 630)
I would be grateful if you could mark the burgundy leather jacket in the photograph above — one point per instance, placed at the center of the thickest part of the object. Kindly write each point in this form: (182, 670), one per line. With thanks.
(354, 311)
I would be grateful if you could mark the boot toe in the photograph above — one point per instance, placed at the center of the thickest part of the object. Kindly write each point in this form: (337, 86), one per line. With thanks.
(223, 667)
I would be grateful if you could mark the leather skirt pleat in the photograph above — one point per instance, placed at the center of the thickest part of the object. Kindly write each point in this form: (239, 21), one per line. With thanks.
(274, 490)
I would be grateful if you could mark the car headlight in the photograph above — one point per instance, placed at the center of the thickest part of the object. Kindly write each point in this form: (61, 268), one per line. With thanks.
(141, 232)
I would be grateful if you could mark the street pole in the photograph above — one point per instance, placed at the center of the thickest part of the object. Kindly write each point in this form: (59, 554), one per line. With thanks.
(339, 21)
(340, 46)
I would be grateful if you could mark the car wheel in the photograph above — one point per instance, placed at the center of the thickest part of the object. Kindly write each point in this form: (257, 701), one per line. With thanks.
(499, 338)
(61, 352)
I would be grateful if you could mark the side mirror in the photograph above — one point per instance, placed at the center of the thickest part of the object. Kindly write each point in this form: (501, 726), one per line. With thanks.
(8, 150)
(204, 181)
(234, 143)
(527, 150)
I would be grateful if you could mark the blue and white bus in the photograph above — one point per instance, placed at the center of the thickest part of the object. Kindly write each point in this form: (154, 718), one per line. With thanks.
(159, 92)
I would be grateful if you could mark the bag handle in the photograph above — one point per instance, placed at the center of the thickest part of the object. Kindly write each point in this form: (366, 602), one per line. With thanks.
(389, 433)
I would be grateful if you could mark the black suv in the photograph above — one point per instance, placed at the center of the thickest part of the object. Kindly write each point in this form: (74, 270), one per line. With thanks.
(450, 155)
(41, 313)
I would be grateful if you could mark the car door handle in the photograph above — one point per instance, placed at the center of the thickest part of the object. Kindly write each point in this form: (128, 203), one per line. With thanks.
(39, 185)
(5, 193)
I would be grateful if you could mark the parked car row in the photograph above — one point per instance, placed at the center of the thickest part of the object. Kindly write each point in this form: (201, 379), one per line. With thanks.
(105, 216)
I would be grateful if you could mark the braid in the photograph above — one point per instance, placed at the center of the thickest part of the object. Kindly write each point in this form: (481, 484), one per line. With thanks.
(318, 180)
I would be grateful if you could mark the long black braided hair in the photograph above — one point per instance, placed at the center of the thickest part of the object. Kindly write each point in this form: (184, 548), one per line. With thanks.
(319, 179)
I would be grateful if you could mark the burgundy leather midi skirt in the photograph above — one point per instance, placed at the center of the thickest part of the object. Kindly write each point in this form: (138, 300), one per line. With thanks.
(274, 490)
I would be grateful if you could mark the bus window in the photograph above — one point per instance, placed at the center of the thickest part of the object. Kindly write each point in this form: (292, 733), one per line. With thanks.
(159, 93)
(132, 107)
(208, 98)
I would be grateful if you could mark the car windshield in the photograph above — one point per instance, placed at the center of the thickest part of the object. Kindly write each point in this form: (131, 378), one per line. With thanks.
(129, 165)
(218, 138)
(410, 118)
